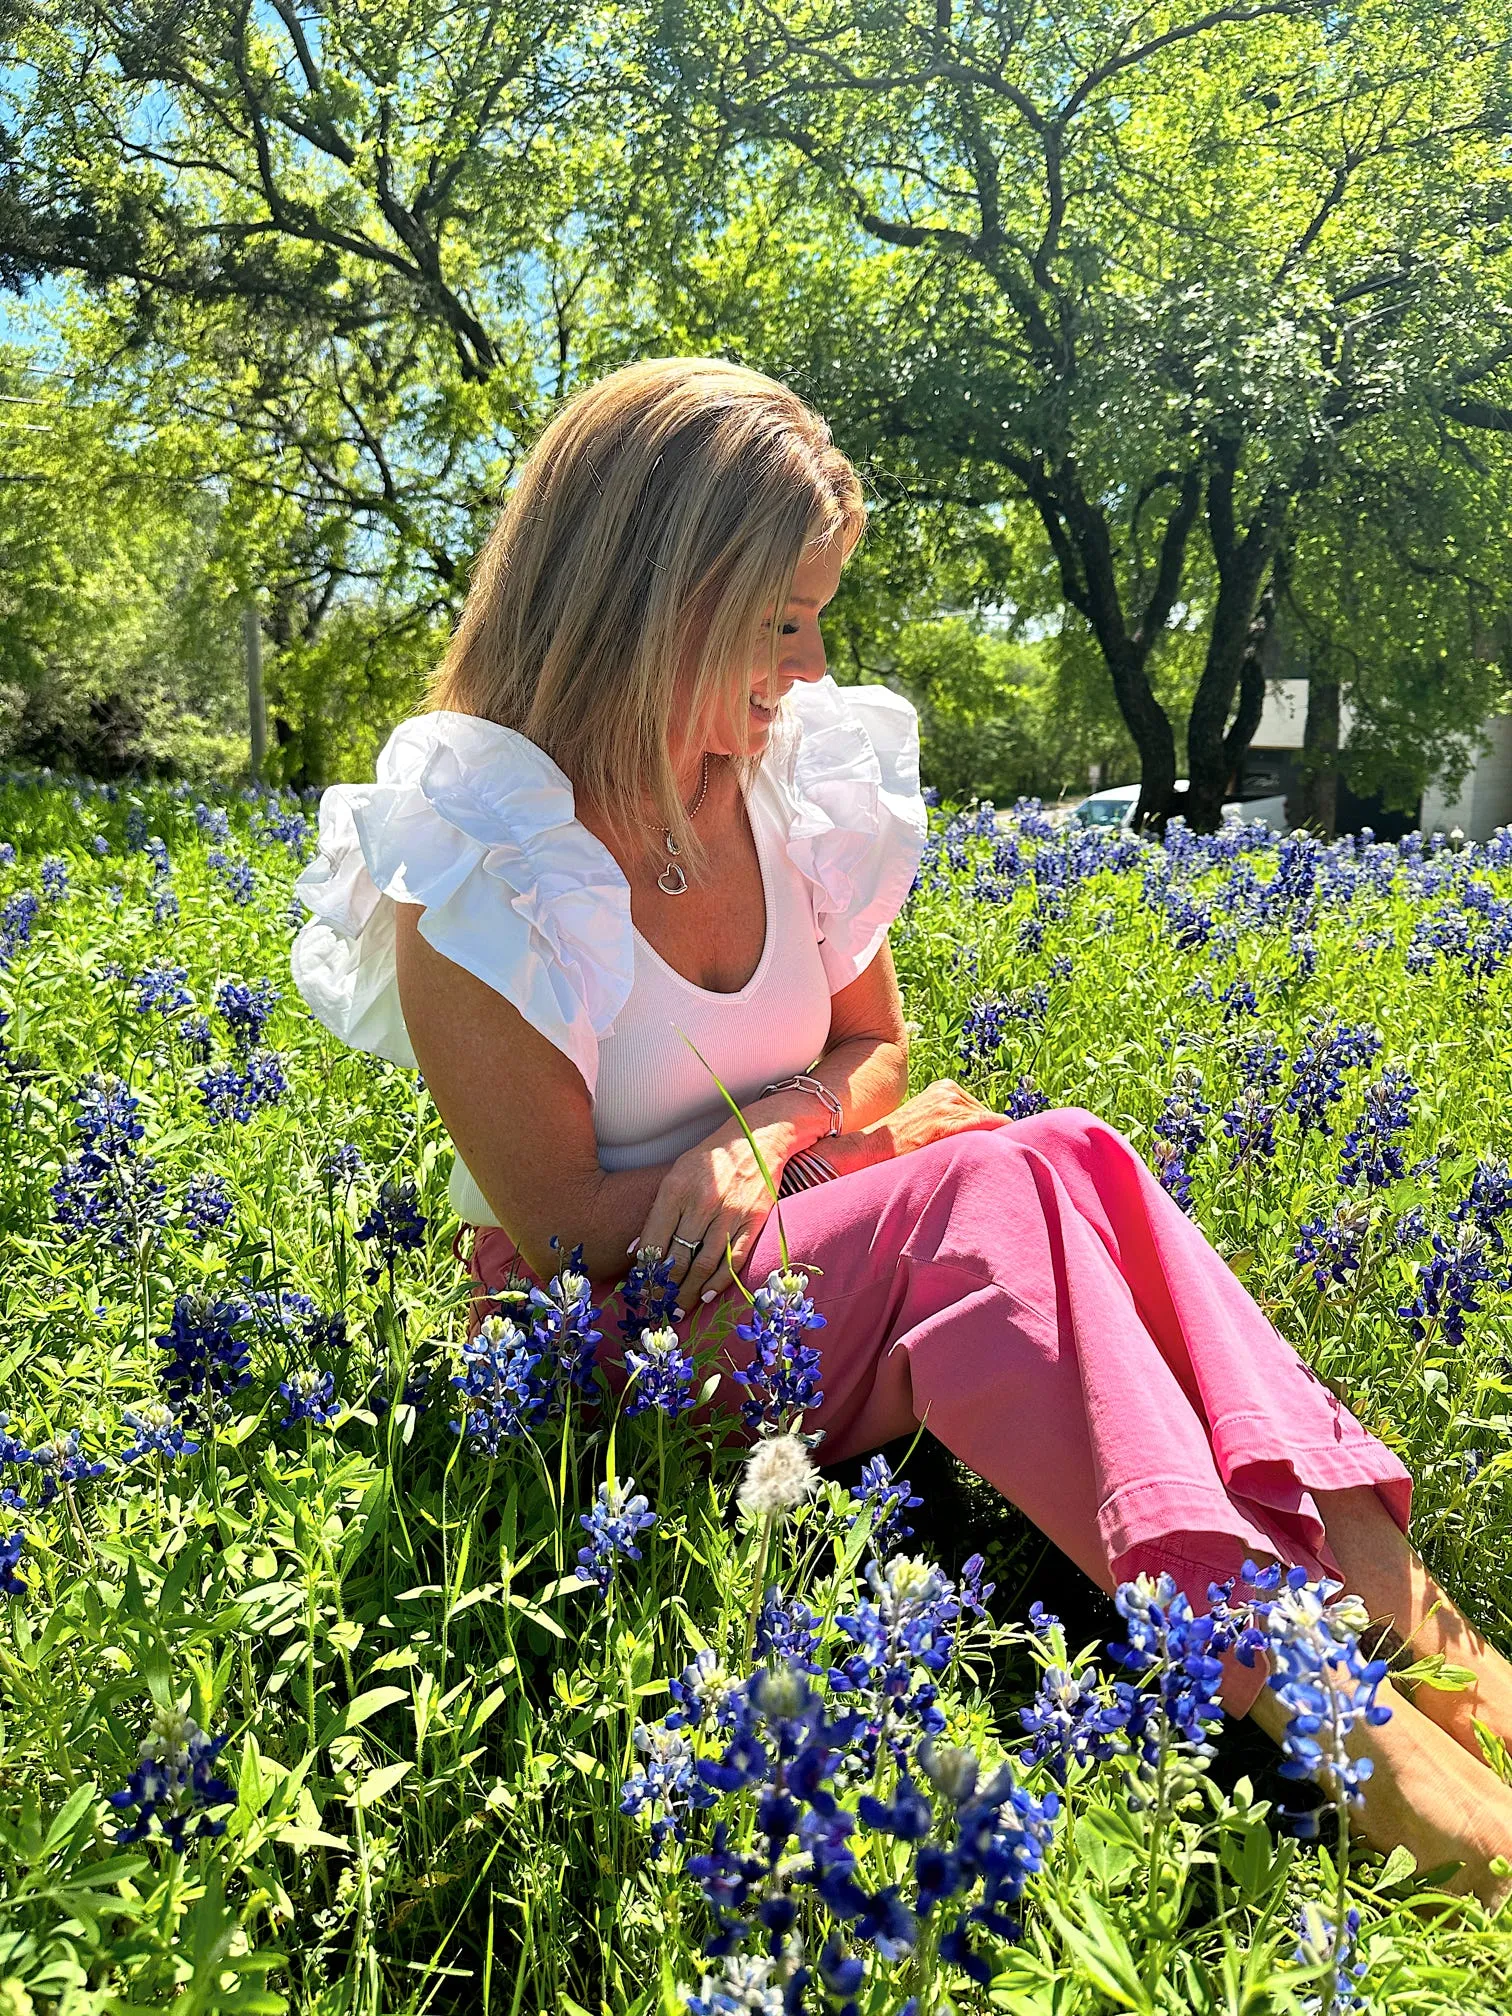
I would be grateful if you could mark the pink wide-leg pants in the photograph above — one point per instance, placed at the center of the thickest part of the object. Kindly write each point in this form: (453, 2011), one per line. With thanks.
(1032, 1295)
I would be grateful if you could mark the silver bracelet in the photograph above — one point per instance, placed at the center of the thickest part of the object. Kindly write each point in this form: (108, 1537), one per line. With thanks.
(802, 1082)
(803, 1171)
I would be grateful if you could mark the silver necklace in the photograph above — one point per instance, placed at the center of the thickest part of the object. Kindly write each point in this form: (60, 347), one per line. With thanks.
(672, 881)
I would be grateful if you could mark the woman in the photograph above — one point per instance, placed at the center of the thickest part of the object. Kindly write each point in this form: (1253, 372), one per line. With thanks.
(638, 839)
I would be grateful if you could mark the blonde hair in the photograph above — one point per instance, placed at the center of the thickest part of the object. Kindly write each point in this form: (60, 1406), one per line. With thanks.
(660, 516)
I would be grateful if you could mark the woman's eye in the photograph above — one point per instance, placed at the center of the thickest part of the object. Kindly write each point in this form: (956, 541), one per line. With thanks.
(791, 629)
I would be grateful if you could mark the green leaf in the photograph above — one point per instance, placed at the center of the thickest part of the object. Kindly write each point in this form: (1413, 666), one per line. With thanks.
(378, 1784)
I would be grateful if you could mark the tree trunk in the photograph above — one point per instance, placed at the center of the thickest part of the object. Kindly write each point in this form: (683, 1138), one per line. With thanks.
(1315, 802)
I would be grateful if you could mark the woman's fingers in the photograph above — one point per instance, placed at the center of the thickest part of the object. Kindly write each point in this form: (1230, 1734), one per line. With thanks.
(742, 1239)
(709, 1265)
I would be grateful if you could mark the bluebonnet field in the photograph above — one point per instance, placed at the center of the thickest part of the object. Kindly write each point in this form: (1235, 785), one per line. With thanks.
(344, 1668)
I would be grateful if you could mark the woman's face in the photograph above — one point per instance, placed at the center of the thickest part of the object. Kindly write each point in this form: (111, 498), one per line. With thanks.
(743, 724)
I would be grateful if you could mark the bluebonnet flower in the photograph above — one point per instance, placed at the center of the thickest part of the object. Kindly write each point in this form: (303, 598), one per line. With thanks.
(62, 1465)
(236, 874)
(650, 1295)
(665, 1788)
(1332, 1247)
(174, 1788)
(279, 824)
(1181, 1116)
(1305, 951)
(54, 872)
(1182, 1648)
(782, 1378)
(194, 1033)
(983, 1030)
(230, 1094)
(746, 1985)
(214, 822)
(207, 1207)
(108, 1189)
(1448, 1285)
(1261, 1061)
(1319, 1945)
(341, 1165)
(1238, 1000)
(156, 850)
(661, 1373)
(1411, 1229)
(786, 1628)
(310, 1396)
(1061, 969)
(1031, 933)
(294, 913)
(158, 1434)
(1317, 1670)
(162, 987)
(701, 1693)
(7, 854)
(562, 1316)
(246, 1009)
(1170, 1170)
(887, 1498)
(107, 1119)
(1372, 1148)
(12, 1546)
(396, 1223)
(207, 1359)
(17, 918)
(1318, 1069)
(1069, 1721)
(165, 905)
(1489, 1200)
(136, 830)
(1250, 1124)
(100, 844)
(504, 1395)
(619, 1514)
(1025, 1098)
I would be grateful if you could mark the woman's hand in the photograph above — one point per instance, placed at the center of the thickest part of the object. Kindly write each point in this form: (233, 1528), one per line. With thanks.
(713, 1192)
(939, 1110)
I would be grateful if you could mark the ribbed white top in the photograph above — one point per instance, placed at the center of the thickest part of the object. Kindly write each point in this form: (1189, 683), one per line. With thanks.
(654, 1098)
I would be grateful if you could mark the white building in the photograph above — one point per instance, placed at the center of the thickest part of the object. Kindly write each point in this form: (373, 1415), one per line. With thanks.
(1482, 803)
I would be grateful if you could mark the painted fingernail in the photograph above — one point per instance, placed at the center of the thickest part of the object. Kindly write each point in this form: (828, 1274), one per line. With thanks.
(632, 1246)
(678, 1314)
(707, 1295)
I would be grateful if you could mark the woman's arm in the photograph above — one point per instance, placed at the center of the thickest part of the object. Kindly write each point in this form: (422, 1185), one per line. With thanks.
(519, 1115)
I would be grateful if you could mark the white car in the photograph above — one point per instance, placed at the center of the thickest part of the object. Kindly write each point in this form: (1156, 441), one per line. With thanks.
(1116, 808)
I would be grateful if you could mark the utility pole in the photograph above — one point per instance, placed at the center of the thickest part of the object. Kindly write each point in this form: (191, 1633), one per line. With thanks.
(257, 720)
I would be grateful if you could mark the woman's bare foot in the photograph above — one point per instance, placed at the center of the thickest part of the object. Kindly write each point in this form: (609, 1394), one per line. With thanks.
(1397, 1589)
(1426, 1795)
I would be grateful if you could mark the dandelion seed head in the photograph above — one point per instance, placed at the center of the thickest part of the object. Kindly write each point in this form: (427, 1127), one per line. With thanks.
(779, 1474)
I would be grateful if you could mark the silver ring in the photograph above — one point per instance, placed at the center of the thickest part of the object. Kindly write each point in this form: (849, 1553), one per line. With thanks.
(691, 1244)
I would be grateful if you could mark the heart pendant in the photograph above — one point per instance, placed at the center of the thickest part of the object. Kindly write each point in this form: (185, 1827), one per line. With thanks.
(678, 882)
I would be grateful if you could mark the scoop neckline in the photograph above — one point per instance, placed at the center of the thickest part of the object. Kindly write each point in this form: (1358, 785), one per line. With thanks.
(713, 993)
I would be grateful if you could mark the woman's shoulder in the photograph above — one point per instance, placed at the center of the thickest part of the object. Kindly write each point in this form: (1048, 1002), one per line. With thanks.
(476, 824)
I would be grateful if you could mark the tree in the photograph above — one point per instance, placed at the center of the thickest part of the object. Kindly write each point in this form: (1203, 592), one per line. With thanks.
(355, 244)
(1149, 269)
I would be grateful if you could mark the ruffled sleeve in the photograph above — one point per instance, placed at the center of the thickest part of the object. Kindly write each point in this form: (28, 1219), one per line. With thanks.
(848, 762)
(477, 824)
